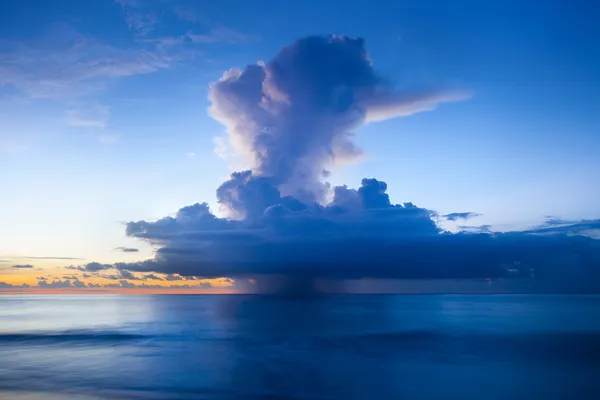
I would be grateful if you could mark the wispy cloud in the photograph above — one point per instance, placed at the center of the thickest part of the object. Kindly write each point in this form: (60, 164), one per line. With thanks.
(72, 65)
(22, 266)
(49, 258)
(222, 34)
(192, 39)
(4, 285)
(137, 17)
(91, 115)
(127, 249)
(460, 215)
(188, 14)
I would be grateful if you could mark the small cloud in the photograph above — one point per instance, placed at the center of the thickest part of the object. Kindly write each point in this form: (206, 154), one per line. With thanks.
(23, 266)
(127, 249)
(187, 14)
(555, 226)
(51, 258)
(476, 229)
(77, 283)
(460, 215)
(88, 116)
(190, 155)
(125, 274)
(125, 284)
(136, 17)
(4, 285)
(91, 267)
(142, 23)
(43, 283)
(221, 34)
(153, 277)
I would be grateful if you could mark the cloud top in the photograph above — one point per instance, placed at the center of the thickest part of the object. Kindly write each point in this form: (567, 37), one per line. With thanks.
(294, 117)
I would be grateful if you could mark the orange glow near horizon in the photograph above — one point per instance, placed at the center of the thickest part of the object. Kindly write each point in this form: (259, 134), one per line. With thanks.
(18, 278)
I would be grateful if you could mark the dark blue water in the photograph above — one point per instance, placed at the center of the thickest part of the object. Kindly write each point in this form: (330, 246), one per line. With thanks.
(338, 347)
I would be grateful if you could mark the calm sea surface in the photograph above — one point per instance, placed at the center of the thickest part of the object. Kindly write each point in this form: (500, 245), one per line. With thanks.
(337, 347)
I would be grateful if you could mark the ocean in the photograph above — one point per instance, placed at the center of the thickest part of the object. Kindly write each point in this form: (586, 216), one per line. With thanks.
(331, 347)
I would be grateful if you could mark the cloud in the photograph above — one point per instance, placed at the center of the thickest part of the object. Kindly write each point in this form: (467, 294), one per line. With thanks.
(558, 223)
(460, 215)
(137, 16)
(73, 282)
(78, 284)
(111, 277)
(220, 34)
(125, 274)
(476, 229)
(23, 266)
(293, 118)
(50, 258)
(72, 66)
(122, 284)
(90, 267)
(217, 35)
(386, 106)
(4, 285)
(187, 14)
(127, 250)
(88, 116)
(152, 277)
(56, 284)
(565, 227)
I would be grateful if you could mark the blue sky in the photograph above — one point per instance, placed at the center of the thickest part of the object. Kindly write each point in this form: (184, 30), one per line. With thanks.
(103, 109)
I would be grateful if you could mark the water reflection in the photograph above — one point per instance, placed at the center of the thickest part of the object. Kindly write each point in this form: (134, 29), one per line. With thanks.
(351, 347)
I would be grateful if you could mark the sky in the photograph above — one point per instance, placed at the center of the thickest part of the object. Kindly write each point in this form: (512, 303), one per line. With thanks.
(114, 115)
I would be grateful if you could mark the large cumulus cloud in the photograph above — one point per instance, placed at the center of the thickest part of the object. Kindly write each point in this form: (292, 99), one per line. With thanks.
(294, 117)
(290, 120)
